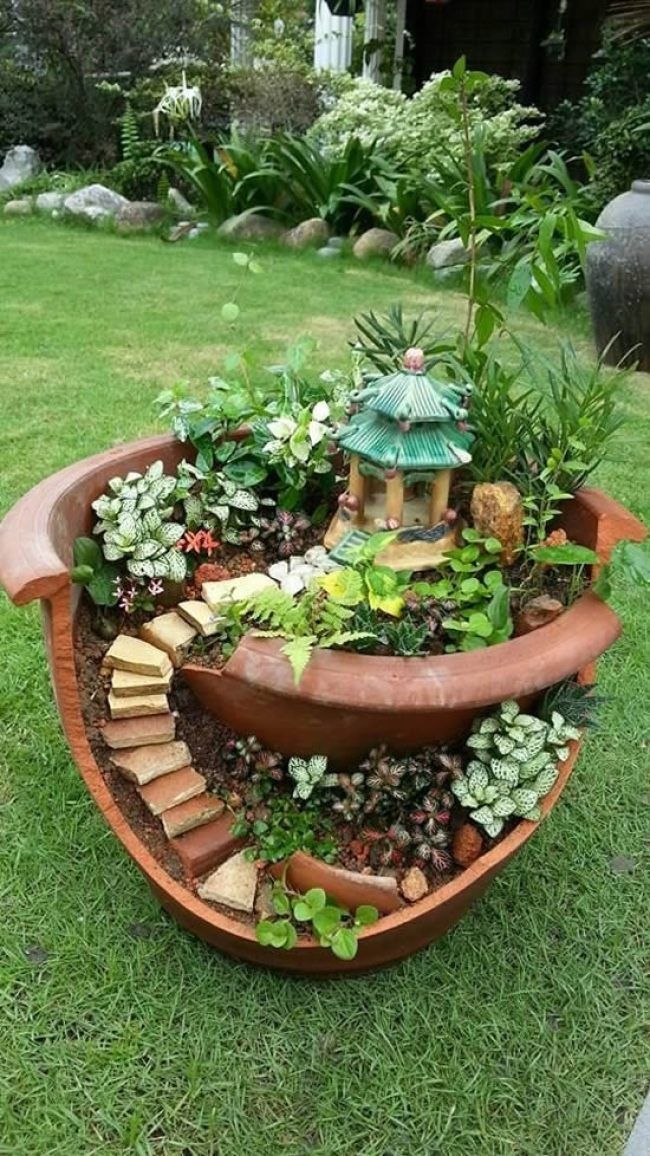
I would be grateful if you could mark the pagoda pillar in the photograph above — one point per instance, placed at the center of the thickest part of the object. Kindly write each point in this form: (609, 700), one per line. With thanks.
(395, 497)
(357, 486)
(439, 499)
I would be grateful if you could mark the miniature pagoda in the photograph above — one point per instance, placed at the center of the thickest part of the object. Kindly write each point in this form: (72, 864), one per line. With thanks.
(408, 434)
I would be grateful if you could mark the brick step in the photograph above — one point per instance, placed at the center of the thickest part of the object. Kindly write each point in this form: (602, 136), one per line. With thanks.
(206, 847)
(169, 790)
(136, 706)
(139, 732)
(195, 812)
(169, 633)
(143, 764)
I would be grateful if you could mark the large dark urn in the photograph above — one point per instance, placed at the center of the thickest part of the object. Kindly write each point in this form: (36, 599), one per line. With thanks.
(618, 278)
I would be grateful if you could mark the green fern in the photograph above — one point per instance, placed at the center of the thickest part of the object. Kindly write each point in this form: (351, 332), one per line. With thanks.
(130, 138)
(299, 651)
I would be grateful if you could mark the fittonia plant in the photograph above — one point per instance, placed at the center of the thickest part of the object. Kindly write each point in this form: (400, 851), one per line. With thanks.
(219, 504)
(136, 522)
(514, 765)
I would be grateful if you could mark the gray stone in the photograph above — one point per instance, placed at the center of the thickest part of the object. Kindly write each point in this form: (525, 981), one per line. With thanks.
(375, 243)
(94, 197)
(20, 164)
(292, 584)
(234, 884)
(315, 555)
(249, 227)
(93, 213)
(446, 253)
(193, 234)
(19, 208)
(278, 571)
(180, 203)
(48, 202)
(313, 232)
(639, 1141)
(336, 243)
(327, 253)
(138, 215)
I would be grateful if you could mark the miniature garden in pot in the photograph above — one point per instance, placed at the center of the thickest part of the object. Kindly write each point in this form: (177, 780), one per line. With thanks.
(324, 657)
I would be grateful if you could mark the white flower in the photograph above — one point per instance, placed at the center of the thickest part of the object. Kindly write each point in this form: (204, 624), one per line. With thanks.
(321, 411)
(282, 428)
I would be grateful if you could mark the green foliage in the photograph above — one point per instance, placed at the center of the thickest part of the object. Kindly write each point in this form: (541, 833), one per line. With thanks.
(93, 571)
(215, 501)
(630, 562)
(308, 775)
(513, 765)
(334, 926)
(382, 339)
(284, 825)
(576, 702)
(136, 523)
(365, 581)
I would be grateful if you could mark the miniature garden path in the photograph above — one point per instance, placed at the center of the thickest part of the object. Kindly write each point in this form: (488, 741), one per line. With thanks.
(521, 1032)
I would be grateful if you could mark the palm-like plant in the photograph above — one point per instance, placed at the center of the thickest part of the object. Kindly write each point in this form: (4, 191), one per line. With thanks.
(631, 17)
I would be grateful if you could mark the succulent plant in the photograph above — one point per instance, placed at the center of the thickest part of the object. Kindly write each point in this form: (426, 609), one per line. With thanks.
(514, 765)
(285, 532)
(136, 522)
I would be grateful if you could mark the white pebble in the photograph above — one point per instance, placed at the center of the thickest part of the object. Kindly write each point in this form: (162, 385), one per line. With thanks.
(292, 584)
(278, 571)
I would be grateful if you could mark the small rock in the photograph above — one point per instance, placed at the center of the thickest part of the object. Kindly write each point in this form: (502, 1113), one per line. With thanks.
(446, 253)
(94, 197)
(170, 790)
(137, 656)
(278, 571)
(193, 234)
(140, 931)
(327, 253)
(36, 954)
(137, 705)
(249, 227)
(264, 908)
(467, 845)
(234, 884)
(138, 215)
(375, 243)
(235, 589)
(124, 684)
(336, 243)
(193, 813)
(49, 202)
(414, 885)
(139, 732)
(171, 633)
(315, 555)
(292, 584)
(313, 232)
(497, 512)
(20, 208)
(296, 560)
(20, 164)
(199, 615)
(144, 764)
(622, 864)
(538, 612)
(179, 203)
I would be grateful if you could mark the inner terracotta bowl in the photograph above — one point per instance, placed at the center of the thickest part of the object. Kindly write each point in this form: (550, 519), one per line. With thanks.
(345, 702)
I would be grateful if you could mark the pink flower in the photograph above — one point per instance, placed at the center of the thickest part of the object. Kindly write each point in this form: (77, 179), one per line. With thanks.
(155, 587)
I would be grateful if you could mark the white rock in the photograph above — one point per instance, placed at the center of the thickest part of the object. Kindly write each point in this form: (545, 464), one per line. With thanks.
(278, 571)
(234, 884)
(305, 572)
(296, 560)
(48, 202)
(193, 234)
(234, 589)
(18, 208)
(94, 197)
(315, 555)
(447, 253)
(20, 163)
(328, 565)
(292, 584)
(179, 202)
(93, 213)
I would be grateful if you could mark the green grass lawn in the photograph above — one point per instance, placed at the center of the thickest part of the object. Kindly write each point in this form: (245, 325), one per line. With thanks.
(519, 1034)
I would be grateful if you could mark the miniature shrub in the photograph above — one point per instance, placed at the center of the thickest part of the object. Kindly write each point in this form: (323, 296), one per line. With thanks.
(137, 527)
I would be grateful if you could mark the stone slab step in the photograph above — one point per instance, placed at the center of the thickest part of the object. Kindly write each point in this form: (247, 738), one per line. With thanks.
(171, 634)
(139, 732)
(199, 615)
(124, 684)
(144, 764)
(234, 589)
(234, 883)
(137, 656)
(193, 813)
(205, 847)
(169, 790)
(137, 705)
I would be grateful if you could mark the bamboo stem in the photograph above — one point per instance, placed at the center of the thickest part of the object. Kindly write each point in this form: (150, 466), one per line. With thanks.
(395, 497)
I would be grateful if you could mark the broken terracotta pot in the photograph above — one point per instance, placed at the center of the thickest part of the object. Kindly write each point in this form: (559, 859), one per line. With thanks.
(346, 701)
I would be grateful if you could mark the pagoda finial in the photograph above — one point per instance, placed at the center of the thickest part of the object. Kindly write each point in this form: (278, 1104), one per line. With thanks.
(414, 359)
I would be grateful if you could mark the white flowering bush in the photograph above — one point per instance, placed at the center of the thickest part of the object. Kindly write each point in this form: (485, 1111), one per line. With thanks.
(415, 134)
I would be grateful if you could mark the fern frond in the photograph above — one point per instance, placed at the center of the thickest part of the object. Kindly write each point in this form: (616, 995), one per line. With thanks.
(344, 637)
(299, 651)
(273, 608)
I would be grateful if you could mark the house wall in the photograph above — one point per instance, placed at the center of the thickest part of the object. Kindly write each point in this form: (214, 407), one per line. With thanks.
(505, 36)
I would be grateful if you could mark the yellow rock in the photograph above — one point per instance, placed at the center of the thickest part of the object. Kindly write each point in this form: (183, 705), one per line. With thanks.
(497, 512)
(124, 684)
(136, 706)
(235, 589)
(138, 657)
(170, 633)
(200, 616)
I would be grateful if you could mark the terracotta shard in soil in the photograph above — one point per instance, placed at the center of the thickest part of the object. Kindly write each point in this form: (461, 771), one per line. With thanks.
(143, 764)
(170, 790)
(137, 656)
(205, 847)
(137, 705)
(124, 684)
(139, 732)
(350, 888)
(170, 633)
(193, 813)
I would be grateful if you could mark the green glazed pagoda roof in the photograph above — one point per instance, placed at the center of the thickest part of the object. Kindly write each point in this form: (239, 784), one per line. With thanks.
(425, 446)
(409, 396)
